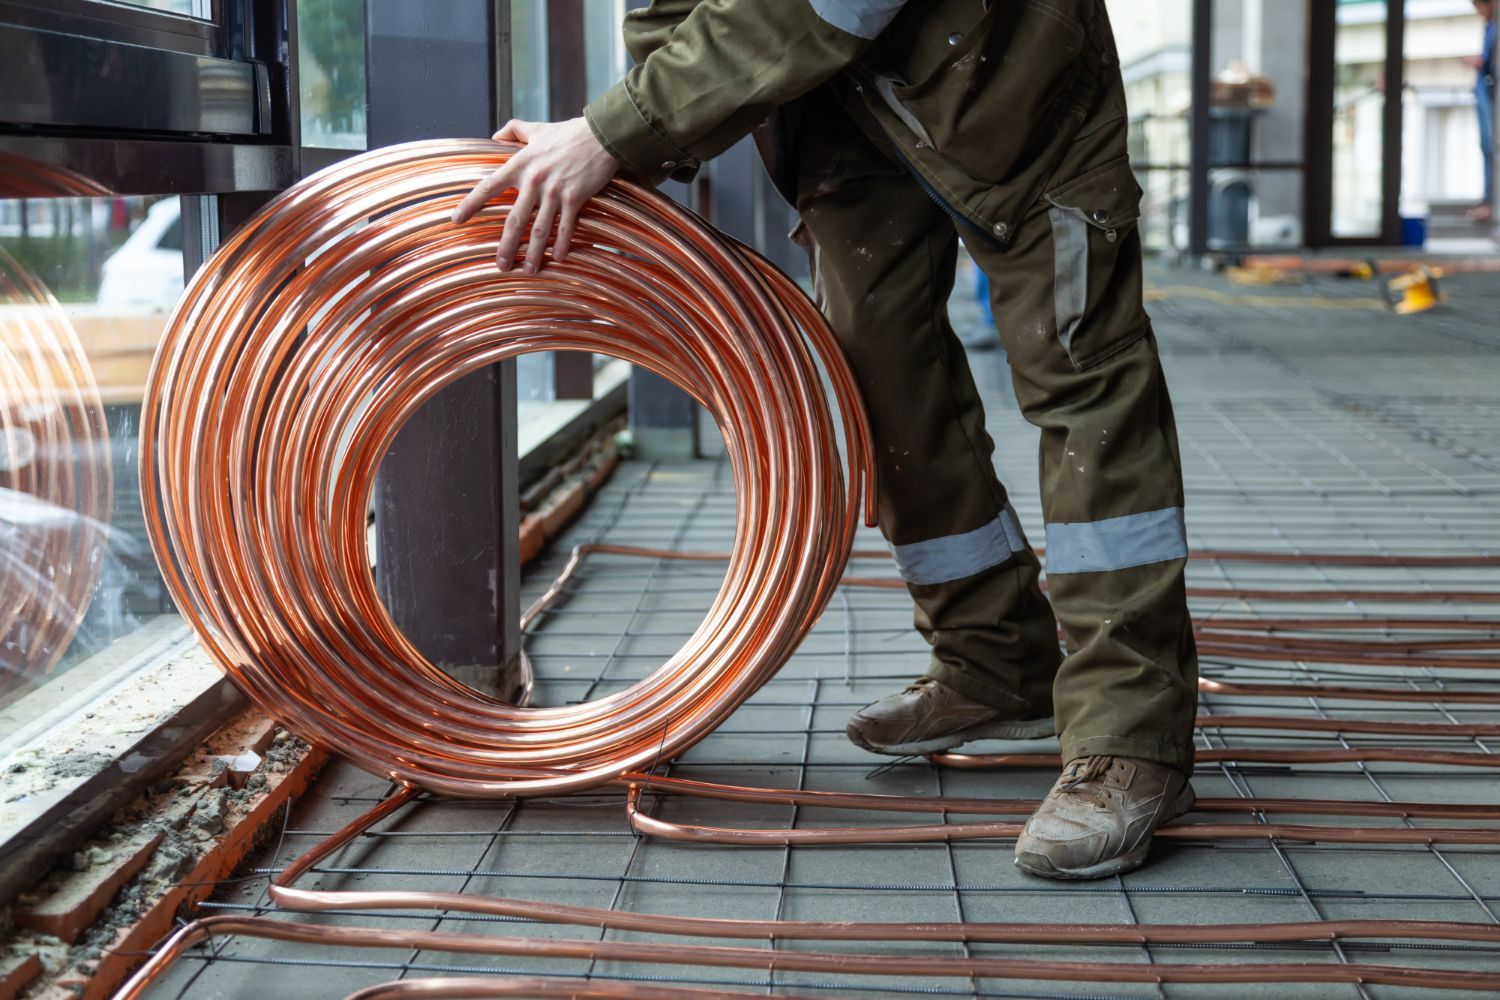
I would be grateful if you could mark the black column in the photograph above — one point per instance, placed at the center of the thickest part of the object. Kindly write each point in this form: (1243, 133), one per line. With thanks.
(1199, 124)
(446, 509)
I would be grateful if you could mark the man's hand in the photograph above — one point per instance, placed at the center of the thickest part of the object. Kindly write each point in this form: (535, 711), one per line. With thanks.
(561, 167)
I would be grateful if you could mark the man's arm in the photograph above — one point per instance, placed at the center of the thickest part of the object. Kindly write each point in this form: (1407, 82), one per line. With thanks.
(722, 69)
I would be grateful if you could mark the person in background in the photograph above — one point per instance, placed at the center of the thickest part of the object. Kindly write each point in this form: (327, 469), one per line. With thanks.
(1484, 103)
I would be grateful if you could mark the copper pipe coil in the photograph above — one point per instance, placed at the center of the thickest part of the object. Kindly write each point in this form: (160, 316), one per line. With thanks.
(56, 481)
(284, 895)
(299, 350)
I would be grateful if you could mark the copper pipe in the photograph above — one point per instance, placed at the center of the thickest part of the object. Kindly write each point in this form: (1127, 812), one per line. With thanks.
(843, 963)
(950, 832)
(1243, 755)
(1025, 807)
(297, 352)
(56, 480)
(515, 986)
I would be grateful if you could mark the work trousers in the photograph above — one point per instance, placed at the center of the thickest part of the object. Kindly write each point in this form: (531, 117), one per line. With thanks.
(1067, 301)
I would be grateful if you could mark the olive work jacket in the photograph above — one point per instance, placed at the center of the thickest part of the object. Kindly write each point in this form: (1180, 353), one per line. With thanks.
(991, 103)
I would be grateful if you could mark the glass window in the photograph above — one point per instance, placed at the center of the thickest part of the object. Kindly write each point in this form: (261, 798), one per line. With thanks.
(528, 60)
(188, 8)
(1154, 38)
(331, 73)
(604, 45)
(86, 285)
(1359, 118)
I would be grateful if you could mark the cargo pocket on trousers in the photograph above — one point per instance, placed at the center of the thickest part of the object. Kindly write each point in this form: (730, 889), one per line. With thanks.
(1093, 216)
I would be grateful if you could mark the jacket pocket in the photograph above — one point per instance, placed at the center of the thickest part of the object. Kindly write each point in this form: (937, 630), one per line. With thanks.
(1001, 87)
(1096, 288)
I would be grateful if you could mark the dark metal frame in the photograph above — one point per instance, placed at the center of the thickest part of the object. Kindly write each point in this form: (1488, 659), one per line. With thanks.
(1317, 164)
(1318, 181)
(191, 137)
(447, 512)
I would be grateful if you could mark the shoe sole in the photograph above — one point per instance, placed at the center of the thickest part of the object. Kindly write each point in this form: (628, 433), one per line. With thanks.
(1011, 729)
(1042, 866)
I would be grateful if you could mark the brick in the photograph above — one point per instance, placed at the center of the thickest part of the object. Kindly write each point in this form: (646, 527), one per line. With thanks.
(82, 896)
(15, 972)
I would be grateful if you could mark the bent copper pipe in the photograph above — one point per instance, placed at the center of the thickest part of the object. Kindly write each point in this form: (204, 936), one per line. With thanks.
(950, 832)
(849, 964)
(516, 986)
(842, 963)
(642, 783)
(1246, 755)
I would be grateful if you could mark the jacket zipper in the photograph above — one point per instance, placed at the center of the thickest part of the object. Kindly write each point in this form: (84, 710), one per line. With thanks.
(942, 202)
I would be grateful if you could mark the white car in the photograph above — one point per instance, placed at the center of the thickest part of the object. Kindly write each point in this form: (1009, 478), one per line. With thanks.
(147, 269)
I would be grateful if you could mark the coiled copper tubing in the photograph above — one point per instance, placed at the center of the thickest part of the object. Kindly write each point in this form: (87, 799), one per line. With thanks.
(299, 349)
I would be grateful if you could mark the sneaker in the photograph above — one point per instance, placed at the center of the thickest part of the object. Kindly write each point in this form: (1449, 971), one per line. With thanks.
(1099, 817)
(929, 717)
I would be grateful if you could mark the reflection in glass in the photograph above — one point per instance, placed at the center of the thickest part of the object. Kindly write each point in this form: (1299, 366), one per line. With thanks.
(528, 60)
(55, 486)
(85, 288)
(1359, 118)
(1154, 39)
(188, 8)
(331, 73)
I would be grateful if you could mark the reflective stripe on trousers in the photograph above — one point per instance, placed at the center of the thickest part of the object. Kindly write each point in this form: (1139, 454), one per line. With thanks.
(1116, 542)
(954, 557)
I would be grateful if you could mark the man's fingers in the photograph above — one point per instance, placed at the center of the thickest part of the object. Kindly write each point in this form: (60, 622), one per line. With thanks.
(567, 219)
(498, 181)
(514, 130)
(515, 226)
(541, 230)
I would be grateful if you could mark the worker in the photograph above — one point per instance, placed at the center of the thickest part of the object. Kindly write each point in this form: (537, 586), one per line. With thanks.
(895, 128)
(1483, 66)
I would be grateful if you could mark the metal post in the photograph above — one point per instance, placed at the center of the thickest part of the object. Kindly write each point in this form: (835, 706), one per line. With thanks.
(1199, 124)
(446, 505)
(1390, 153)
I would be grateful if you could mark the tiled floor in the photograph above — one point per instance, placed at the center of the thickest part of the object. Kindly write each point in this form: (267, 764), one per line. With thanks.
(1306, 424)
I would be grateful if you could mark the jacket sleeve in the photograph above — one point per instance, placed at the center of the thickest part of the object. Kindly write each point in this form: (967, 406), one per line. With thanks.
(721, 70)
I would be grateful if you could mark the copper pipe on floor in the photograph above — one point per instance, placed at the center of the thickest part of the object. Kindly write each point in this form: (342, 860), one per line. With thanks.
(840, 963)
(323, 323)
(461, 987)
(843, 963)
(657, 784)
(1238, 755)
(950, 832)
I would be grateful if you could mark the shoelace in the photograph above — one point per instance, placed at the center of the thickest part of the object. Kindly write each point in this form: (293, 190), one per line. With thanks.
(1086, 770)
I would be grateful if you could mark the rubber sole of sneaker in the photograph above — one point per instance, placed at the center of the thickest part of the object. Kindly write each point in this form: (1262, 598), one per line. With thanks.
(1042, 866)
(1009, 729)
